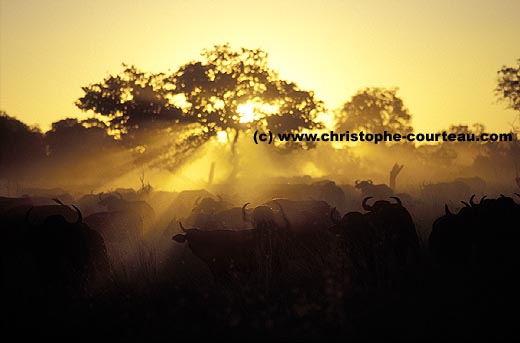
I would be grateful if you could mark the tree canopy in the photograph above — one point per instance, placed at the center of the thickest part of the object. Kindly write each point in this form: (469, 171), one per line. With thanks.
(374, 110)
(20, 146)
(70, 138)
(227, 90)
(132, 101)
(508, 87)
(236, 90)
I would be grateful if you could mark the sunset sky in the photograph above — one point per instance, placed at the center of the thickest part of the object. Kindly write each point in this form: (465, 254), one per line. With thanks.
(443, 55)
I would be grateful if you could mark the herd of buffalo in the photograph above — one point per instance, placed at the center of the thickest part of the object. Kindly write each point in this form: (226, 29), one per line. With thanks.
(300, 260)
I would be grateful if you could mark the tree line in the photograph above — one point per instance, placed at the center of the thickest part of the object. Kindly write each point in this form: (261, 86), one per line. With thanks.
(164, 118)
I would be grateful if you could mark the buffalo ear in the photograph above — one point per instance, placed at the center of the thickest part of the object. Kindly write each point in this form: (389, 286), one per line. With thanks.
(179, 238)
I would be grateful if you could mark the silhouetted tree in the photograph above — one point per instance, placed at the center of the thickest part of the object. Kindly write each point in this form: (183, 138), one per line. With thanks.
(73, 139)
(21, 148)
(508, 88)
(83, 153)
(134, 101)
(229, 90)
(143, 115)
(374, 110)
(235, 91)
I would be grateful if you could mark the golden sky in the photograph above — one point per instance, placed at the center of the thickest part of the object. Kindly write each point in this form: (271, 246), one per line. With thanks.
(443, 54)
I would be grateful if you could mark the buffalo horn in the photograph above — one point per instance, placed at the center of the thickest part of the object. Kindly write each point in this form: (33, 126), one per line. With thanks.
(397, 200)
(365, 205)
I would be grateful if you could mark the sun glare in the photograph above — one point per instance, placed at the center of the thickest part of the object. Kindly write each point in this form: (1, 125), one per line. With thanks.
(252, 110)
(222, 136)
(246, 112)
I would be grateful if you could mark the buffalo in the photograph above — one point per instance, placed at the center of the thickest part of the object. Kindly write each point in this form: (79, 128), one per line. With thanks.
(482, 237)
(56, 257)
(381, 246)
(369, 189)
(136, 207)
(229, 254)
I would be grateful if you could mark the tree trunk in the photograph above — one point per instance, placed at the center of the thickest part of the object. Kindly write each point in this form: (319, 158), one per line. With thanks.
(211, 173)
(234, 157)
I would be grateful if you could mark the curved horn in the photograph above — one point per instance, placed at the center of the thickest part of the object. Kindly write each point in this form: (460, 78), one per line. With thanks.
(502, 196)
(119, 195)
(182, 227)
(244, 217)
(365, 205)
(482, 199)
(56, 200)
(100, 196)
(471, 200)
(358, 182)
(517, 194)
(398, 201)
(447, 210)
(80, 216)
(197, 201)
(287, 224)
(370, 181)
(466, 204)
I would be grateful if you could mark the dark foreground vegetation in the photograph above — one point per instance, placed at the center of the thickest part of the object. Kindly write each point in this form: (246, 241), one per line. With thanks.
(307, 261)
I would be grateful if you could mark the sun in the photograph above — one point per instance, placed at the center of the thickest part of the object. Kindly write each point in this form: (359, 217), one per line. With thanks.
(222, 137)
(252, 110)
(246, 112)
